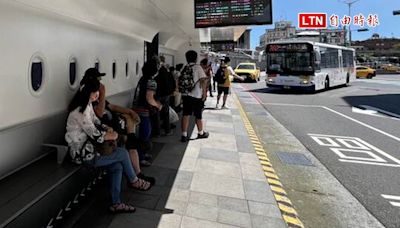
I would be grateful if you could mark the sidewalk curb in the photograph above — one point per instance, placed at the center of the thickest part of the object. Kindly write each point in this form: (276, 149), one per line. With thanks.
(288, 212)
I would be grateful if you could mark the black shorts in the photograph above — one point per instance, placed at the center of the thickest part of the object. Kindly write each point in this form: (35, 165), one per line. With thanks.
(224, 90)
(193, 106)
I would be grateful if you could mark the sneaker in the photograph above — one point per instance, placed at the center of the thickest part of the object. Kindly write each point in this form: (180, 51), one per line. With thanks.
(224, 107)
(148, 157)
(184, 139)
(203, 136)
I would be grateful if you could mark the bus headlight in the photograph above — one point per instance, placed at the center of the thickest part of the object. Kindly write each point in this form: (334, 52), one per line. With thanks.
(271, 80)
(304, 82)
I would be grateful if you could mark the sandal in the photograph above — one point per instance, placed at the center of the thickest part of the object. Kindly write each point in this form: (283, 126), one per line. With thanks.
(122, 208)
(141, 185)
(149, 179)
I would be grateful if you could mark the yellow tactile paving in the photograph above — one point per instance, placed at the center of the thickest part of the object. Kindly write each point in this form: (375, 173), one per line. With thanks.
(288, 212)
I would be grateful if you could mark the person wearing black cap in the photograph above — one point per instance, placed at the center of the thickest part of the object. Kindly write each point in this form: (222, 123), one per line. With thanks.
(122, 120)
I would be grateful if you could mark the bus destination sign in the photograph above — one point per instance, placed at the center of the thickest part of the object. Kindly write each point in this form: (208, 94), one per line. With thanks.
(289, 48)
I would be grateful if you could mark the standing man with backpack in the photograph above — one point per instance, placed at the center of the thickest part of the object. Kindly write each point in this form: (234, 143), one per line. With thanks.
(193, 86)
(223, 78)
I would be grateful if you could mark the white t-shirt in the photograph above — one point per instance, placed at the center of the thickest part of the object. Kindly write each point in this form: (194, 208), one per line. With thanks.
(198, 73)
(231, 71)
(215, 67)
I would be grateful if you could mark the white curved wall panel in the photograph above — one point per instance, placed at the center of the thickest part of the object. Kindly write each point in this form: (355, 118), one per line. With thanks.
(26, 31)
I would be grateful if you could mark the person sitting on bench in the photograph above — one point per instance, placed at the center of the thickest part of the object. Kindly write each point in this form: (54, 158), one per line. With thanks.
(84, 131)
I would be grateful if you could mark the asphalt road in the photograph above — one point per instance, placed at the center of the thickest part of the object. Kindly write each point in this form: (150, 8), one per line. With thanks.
(360, 148)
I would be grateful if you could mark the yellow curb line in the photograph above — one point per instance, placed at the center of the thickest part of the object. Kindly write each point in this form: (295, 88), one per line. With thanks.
(288, 212)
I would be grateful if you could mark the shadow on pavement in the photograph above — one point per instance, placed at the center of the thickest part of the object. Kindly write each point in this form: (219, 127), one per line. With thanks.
(386, 102)
(167, 155)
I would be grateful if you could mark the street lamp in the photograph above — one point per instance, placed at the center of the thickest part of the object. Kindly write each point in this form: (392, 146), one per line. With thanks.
(350, 3)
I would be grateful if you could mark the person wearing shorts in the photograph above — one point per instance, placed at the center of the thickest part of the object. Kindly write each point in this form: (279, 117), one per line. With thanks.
(193, 102)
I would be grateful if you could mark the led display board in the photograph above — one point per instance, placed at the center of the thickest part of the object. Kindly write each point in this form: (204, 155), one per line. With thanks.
(218, 13)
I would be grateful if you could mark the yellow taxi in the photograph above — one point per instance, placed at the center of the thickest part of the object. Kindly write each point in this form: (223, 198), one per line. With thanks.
(365, 72)
(390, 67)
(249, 71)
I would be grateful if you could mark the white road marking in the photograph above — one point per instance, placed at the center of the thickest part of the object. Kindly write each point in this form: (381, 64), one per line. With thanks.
(364, 124)
(365, 111)
(294, 105)
(381, 111)
(355, 150)
(369, 163)
(340, 114)
(391, 197)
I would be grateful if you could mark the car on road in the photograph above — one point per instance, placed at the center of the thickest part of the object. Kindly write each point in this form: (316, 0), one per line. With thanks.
(249, 71)
(390, 68)
(365, 72)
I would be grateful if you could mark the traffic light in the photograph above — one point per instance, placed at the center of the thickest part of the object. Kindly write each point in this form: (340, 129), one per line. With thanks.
(396, 12)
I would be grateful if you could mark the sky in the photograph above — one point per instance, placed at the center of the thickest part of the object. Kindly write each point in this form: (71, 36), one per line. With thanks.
(289, 9)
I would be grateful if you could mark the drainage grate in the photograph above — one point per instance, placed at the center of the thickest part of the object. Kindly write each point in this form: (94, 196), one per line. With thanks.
(294, 159)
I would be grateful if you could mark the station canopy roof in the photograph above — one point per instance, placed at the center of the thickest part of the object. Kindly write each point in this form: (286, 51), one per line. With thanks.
(141, 19)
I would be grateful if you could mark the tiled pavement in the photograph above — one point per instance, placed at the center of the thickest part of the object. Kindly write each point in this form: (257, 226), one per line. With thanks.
(214, 182)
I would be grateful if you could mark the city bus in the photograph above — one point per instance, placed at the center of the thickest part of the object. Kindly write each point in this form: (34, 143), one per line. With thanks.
(309, 65)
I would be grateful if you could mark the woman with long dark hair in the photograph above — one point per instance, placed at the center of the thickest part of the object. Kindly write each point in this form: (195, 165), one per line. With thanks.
(147, 107)
(84, 131)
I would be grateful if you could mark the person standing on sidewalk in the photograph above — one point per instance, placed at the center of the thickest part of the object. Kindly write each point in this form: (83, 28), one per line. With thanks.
(215, 66)
(165, 88)
(208, 72)
(193, 86)
(224, 86)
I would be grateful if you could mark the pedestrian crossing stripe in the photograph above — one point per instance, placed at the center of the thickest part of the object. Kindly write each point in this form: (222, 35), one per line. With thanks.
(288, 212)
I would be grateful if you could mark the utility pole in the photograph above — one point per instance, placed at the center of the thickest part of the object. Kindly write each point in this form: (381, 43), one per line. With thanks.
(350, 3)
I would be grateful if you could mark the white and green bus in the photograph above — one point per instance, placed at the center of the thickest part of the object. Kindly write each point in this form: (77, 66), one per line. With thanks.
(309, 65)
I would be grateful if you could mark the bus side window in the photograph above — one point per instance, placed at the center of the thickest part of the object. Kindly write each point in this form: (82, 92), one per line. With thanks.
(317, 61)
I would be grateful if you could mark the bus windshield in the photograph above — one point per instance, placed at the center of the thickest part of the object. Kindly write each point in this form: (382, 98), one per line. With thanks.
(294, 63)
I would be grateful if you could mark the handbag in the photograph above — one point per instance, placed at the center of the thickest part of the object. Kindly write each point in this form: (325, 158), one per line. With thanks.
(173, 116)
(106, 148)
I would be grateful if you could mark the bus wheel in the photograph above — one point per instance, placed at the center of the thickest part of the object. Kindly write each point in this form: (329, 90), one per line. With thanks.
(327, 83)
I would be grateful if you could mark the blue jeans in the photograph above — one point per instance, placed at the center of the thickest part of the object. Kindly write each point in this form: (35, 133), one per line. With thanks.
(144, 132)
(117, 163)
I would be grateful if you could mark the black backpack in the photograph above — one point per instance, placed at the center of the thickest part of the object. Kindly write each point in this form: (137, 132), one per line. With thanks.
(220, 76)
(186, 82)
